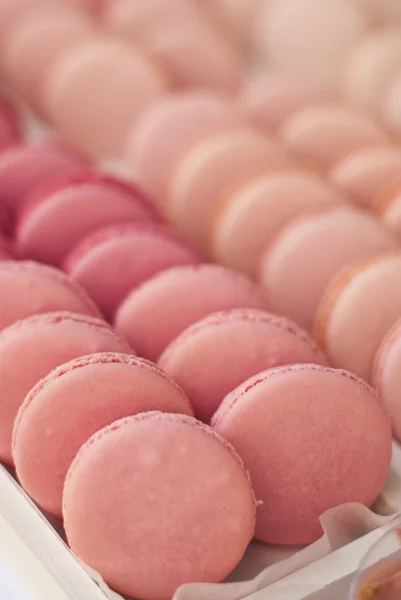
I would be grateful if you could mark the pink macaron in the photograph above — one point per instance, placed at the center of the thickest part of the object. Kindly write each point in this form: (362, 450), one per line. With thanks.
(257, 212)
(125, 256)
(216, 354)
(75, 401)
(208, 174)
(189, 506)
(23, 167)
(386, 375)
(365, 173)
(312, 438)
(41, 343)
(358, 308)
(321, 135)
(169, 128)
(29, 288)
(179, 36)
(161, 308)
(299, 264)
(72, 208)
(89, 113)
(388, 206)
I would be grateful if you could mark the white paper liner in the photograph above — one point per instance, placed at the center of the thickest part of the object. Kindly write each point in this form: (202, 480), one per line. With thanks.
(263, 563)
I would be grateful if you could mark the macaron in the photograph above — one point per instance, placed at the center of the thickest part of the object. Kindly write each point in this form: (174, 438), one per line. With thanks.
(36, 41)
(270, 99)
(238, 15)
(73, 207)
(155, 313)
(72, 403)
(358, 308)
(257, 212)
(125, 256)
(386, 375)
(89, 113)
(310, 38)
(366, 172)
(10, 125)
(180, 37)
(385, 11)
(299, 264)
(321, 135)
(23, 167)
(371, 66)
(30, 288)
(169, 128)
(390, 105)
(210, 171)
(41, 343)
(232, 346)
(388, 206)
(288, 424)
(189, 508)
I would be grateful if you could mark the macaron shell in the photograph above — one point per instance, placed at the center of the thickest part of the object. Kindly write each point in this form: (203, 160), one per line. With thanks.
(40, 344)
(364, 174)
(160, 309)
(288, 425)
(321, 135)
(387, 376)
(78, 79)
(258, 211)
(167, 130)
(30, 288)
(23, 167)
(69, 212)
(125, 256)
(231, 347)
(388, 207)
(328, 241)
(75, 401)
(190, 489)
(371, 67)
(359, 307)
(202, 182)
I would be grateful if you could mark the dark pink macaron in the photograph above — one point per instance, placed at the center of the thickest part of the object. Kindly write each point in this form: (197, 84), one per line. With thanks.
(73, 207)
(125, 256)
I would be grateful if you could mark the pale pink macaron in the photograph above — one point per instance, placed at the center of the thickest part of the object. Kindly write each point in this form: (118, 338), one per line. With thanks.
(189, 507)
(358, 308)
(36, 41)
(10, 123)
(75, 401)
(288, 424)
(365, 173)
(69, 209)
(216, 354)
(31, 348)
(23, 167)
(270, 99)
(155, 313)
(390, 105)
(310, 38)
(320, 135)
(386, 375)
(210, 172)
(371, 67)
(11, 11)
(125, 256)
(29, 288)
(179, 35)
(95, 92)
(168, 129)
(388, 206)
(257, 212)
(301, 261)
